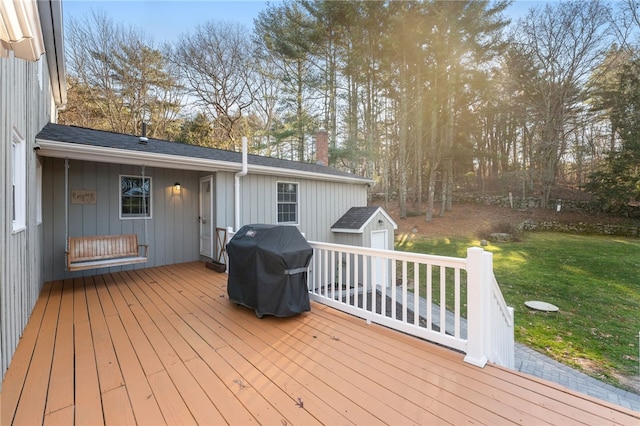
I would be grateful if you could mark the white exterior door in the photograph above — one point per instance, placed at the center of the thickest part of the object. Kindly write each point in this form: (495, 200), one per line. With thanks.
(380, 240)
(206, 217)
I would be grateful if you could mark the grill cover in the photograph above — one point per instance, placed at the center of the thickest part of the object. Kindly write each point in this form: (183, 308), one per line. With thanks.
(268, 269)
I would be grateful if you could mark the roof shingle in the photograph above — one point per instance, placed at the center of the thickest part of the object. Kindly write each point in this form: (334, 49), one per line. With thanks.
(99, 138)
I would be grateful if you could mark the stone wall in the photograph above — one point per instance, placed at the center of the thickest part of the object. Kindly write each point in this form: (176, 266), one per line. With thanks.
(581, 228)
(524, 203)
(584, 228)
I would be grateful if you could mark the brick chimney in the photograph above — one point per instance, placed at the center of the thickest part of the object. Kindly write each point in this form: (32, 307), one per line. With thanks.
(322, 147)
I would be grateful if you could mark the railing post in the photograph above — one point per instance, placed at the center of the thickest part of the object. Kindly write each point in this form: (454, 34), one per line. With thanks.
(477, 308)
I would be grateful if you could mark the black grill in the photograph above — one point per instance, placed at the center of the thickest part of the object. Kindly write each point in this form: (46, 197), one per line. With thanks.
(268, 270)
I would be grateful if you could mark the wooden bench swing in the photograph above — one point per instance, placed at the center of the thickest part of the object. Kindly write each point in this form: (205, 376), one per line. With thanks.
(102, 251)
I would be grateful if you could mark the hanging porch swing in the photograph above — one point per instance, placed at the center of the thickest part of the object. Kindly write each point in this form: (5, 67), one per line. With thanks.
(104, 251)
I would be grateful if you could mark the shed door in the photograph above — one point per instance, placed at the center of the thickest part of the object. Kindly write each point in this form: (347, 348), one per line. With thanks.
(206, 217)
(379, 240)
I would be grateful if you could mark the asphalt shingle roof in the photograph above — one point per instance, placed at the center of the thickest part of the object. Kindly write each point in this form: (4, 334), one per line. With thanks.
(355, 217)
(100, 138)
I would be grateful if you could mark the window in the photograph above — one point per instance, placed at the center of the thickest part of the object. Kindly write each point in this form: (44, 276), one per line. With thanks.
(287, 202)
(135, 197)
(18, 182)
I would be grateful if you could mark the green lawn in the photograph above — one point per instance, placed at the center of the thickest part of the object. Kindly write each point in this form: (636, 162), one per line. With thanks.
(595, 281)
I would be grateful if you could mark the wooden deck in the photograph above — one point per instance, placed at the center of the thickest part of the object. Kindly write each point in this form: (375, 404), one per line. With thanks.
(165, 346)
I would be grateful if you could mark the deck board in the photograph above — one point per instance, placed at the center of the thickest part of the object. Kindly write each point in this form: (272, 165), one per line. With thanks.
(164, 345)
(540, 396)
(61, 382)
(242, 334)
(252, 376)
(15, 377)
(36, 381)
(133, 316)
(117, 407)
(88, 405)
(61, 417)
(109, 374)
(144, 404)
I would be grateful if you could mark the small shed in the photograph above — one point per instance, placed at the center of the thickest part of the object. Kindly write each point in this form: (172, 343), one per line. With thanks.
(369, 226)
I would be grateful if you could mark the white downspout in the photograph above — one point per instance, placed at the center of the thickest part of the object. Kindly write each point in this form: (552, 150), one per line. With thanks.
(238, 175)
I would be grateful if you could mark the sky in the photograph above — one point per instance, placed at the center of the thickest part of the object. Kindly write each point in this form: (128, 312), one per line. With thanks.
(165, 20)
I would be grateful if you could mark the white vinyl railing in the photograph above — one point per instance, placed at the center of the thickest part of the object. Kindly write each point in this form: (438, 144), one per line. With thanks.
(455, 302)
(418, 294)
(502, 340)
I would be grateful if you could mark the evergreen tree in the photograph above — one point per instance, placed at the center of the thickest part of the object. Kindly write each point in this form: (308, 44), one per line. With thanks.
(617, 183)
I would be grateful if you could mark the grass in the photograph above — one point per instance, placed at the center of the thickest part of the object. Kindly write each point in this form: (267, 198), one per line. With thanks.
(595, 282)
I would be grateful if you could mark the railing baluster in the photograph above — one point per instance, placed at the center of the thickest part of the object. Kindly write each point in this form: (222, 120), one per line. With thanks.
(443, 300)
(405, 282)
(429, 291)
(325, 278)
(365, 282)
(381, 275)
(334, 274)
(356, 279)
(416, 293)
(349, 289)
(340, 280)
(457, 303)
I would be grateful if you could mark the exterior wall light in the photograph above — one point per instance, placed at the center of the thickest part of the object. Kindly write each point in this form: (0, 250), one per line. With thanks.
(176, 188)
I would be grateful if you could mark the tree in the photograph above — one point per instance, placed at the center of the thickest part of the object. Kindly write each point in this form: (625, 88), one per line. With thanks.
(118, 79)
(617, 183)
(197, 131)
(553, 52)
(438, 52)
(288, 34)
(266, 88)
(215, 62)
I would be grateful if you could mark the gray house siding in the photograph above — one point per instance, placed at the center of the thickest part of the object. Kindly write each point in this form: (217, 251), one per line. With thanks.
(172, 231)
(223, 183)
(320, 203)
(25, 105)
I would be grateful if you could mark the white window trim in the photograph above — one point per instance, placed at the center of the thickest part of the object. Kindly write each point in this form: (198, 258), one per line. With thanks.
(297, 184)
(19, 181)
(120, 198)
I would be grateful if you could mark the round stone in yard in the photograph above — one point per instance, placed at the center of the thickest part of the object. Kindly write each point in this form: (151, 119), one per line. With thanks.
(541, 306)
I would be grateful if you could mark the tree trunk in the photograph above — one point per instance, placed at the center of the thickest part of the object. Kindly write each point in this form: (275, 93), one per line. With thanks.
(418, 137)
(447, 175)
(443, 184)
(300, 113)
(431, 195)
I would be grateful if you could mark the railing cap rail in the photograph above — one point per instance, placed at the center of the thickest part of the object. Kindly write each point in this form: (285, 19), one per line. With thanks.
(455, 262)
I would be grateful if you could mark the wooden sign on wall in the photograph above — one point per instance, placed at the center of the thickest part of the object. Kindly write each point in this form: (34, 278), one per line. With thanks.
(83, 196)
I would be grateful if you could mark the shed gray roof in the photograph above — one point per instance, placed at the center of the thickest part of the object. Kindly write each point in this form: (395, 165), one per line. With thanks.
(58, 140)
(356, 219)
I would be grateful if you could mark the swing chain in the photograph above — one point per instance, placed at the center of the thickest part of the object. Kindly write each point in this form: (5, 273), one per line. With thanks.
(144, 206)
(66, 205)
